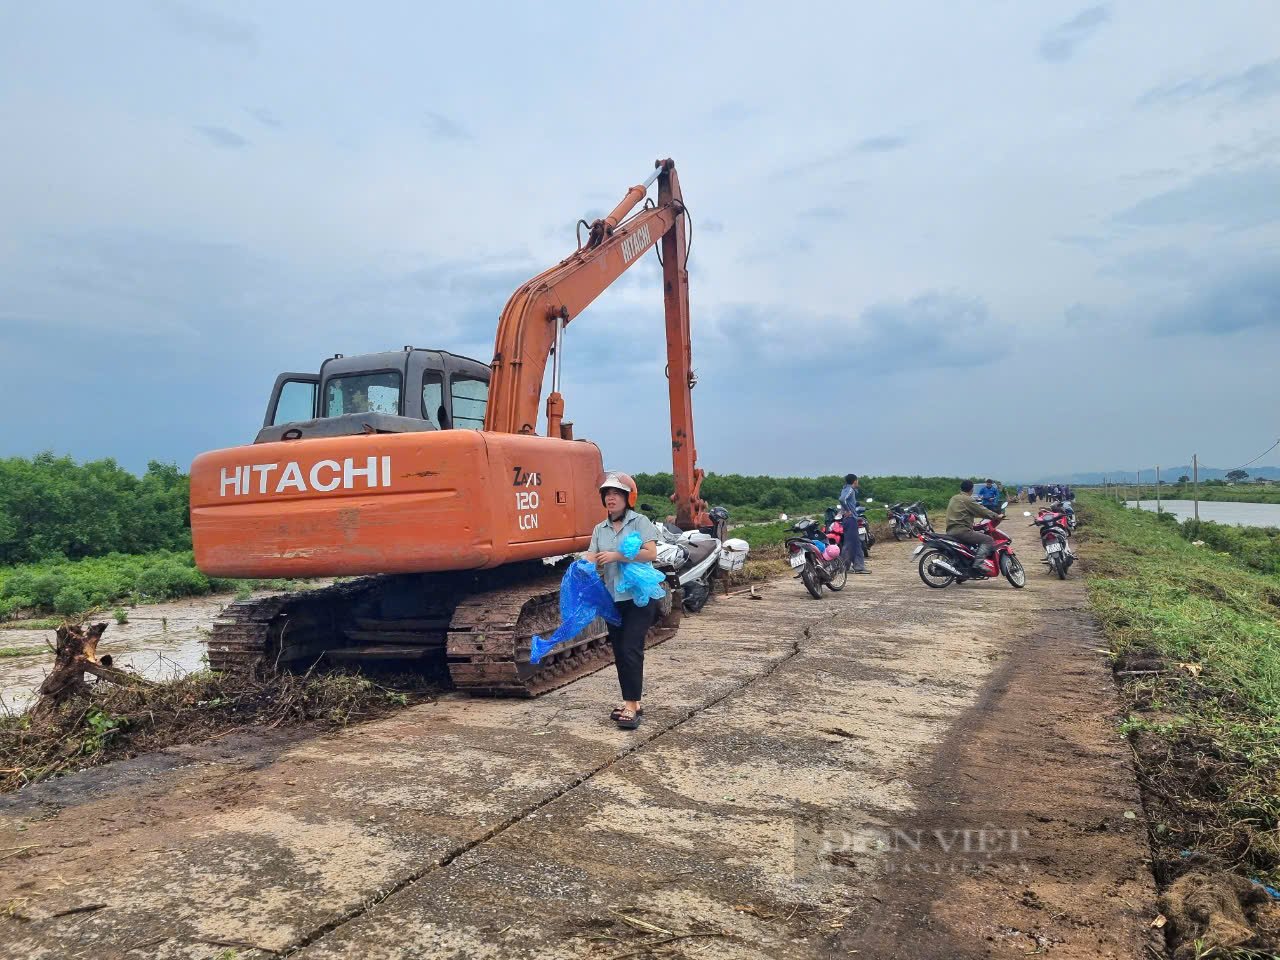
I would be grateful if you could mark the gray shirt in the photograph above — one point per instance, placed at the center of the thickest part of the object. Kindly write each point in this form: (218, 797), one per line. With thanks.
(604, 538)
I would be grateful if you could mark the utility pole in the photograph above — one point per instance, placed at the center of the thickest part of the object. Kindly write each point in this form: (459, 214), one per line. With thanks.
(1137, 482)
(1157, 489)
(1195, 480)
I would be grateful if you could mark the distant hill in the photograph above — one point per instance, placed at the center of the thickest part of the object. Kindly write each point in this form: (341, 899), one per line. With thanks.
(1167, 473)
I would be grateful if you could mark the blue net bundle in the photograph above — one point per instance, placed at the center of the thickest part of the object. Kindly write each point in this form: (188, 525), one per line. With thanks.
(640, 582)
(583, 597)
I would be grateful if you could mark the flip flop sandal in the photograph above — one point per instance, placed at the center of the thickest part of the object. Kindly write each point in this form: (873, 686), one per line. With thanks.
(617, 712)
(628, 723)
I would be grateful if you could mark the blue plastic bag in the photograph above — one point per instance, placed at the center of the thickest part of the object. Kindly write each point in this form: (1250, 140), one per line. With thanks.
(583, 597)
(640, 582)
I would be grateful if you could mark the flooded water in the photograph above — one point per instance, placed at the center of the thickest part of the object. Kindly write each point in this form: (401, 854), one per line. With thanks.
(162, 642)
(1239, 514)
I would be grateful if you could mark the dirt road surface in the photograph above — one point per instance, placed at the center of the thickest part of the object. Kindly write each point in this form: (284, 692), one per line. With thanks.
(890, 772)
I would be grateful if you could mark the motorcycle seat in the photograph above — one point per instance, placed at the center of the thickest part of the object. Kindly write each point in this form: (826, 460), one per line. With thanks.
(699, 551)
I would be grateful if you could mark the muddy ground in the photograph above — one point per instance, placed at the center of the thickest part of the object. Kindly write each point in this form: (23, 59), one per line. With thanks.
(890, 772)
(160, 641)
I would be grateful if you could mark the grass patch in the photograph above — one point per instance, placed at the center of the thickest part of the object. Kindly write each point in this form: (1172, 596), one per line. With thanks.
(117, 722)
(6, 652)
(1195, 633)
(47, 623)
(74, 588)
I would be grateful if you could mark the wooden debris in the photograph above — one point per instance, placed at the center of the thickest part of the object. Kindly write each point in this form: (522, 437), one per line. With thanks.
(75, 655)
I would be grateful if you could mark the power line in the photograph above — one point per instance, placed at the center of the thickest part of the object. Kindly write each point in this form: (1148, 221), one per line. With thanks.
(1259, 456)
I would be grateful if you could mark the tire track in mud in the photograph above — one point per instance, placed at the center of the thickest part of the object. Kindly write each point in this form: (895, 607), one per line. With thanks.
(806, 633)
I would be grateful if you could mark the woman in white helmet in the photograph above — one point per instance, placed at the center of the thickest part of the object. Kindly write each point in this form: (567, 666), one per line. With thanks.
(618, 493)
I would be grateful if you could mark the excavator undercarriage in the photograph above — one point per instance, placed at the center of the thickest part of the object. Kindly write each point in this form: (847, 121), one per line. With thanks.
(477, 629)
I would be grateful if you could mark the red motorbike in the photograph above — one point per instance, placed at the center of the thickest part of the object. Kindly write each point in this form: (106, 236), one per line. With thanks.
(944, 560)
(1055, 528)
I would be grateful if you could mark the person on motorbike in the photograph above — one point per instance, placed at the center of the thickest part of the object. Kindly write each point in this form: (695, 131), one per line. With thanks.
(962, 510)
(851, 547)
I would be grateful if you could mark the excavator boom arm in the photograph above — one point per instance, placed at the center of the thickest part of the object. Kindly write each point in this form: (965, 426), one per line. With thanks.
(538, 311)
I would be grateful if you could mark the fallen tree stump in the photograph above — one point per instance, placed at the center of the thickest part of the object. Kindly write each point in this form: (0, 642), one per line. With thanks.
(75, 655)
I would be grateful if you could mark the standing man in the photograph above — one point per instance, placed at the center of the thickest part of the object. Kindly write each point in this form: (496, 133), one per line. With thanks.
(961, 512)
(851, 546)
(989, 494)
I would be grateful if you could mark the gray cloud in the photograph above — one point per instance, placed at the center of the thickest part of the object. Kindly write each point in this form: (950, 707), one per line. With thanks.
(441, 127)
(1258, 82)
(1160, 263)
(942, 330)
(208, 25)
(731, 113)
(1062, 42)
(881, 144)
(826, 213)
(222, 137)
(937, 328)
(1243, 298)
(1227, 198)
(265, 117)
(1085, 241)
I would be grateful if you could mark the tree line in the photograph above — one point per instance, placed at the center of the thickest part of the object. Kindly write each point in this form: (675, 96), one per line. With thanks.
(751, 495)
(53, 508)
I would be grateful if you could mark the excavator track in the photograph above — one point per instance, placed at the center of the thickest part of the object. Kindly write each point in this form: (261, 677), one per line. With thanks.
(481, 629)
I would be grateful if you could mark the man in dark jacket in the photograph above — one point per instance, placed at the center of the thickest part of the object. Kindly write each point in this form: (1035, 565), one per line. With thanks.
(851, 546)
(962, 510)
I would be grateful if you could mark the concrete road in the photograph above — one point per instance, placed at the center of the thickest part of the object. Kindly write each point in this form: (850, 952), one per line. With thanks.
(892, 771)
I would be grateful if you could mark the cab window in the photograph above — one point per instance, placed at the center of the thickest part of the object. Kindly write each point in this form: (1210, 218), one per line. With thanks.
(297, 401)
(470, 397)
(363, 393)
(433, 399)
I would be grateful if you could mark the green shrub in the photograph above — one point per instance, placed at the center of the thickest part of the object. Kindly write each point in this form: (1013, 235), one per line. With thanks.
(170, 579)
(121, 615)
(46, 586)
(70, 601)
(19, 583)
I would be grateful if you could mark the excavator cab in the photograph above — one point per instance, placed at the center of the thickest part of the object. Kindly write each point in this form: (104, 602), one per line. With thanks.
(393, 392)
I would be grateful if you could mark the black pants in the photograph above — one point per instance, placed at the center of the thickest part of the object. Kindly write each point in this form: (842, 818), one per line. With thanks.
(627, 640)
(973, 538)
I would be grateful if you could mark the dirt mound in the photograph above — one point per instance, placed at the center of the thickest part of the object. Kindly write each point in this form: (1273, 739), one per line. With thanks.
(1214, 910)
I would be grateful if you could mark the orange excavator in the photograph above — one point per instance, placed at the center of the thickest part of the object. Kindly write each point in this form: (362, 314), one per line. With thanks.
(424, 469)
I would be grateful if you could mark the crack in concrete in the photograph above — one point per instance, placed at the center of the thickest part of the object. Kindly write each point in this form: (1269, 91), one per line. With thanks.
(499, 829)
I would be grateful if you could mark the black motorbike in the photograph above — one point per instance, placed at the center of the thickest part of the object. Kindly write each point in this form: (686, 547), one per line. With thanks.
(908, 521)
(816, 558)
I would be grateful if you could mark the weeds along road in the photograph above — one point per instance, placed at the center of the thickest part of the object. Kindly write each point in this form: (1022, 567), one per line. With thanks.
(894, 770)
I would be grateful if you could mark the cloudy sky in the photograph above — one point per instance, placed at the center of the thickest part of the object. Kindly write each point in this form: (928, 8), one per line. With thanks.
(1004, 237)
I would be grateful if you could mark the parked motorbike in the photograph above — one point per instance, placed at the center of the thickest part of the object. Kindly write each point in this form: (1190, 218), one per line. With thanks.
(944, 560)
(835, 528)
(909, 521)
(1055, 529)
(815, 558)
(690, 558)
(1068, 508)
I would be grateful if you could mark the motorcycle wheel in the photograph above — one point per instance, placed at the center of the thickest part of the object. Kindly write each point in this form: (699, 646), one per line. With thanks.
(898, 533)
(938, 579)
(1059, 565)
(810, 577)
(696, 595)
(1012, 569)
(839, 578)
